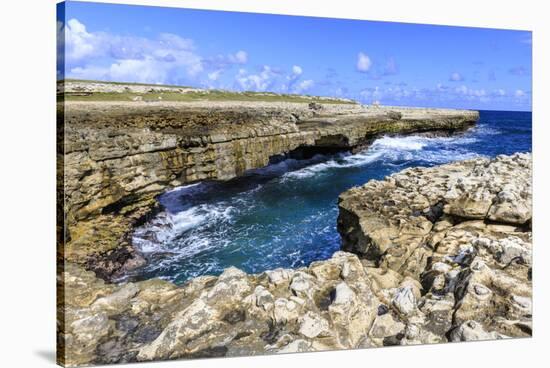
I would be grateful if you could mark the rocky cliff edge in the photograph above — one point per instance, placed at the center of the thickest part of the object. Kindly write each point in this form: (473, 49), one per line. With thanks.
(115, 157)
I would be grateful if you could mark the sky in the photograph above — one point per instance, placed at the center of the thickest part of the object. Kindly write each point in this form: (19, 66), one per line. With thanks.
(390, 63)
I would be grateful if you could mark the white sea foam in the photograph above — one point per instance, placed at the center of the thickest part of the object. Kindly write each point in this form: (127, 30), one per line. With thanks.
(209, 227)
(165, 227)
(184, 187)
(413, 143)
(394, 149)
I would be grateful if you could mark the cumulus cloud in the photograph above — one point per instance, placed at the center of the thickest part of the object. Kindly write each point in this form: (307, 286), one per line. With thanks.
(470, 93)
(341, 91)
(443, 95)
(292, 78)
(100, 55)
(224, 62)
(363, 62)
(240, 57)
(439, 94)
(167, 58)
(370, 93)
(215, 75)
(456, 77)
(79, 43)
(297, 70)
(391, 93)
(519, 93)
(269, 78)
(261, 81)
(303, 86)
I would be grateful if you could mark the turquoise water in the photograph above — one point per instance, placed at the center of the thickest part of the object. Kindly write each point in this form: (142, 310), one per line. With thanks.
(285, 214)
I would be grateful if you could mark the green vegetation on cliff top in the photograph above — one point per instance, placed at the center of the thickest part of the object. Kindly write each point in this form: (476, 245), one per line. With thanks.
(192, 95)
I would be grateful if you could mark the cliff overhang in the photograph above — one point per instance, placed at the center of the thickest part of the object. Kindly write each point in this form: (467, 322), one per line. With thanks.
(118, 156)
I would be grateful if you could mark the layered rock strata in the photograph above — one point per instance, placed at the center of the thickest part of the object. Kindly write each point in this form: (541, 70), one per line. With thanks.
(441, 254)
(118, 156)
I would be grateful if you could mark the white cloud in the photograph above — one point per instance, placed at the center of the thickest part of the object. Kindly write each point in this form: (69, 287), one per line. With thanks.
(394, 93)
(79, 42)
(215, 75)
(462, 90)
(470, 93)
(273, 79)
(256, 82)
(420, 96)
(147, 69)
(240, 57)
(456, 77)
(292, 78)
(363, 62)
(100, 55)
(519, 93)
(303, 86)
(371, 93)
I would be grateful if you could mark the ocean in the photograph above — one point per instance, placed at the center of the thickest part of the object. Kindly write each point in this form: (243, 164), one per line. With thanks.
(285, 215)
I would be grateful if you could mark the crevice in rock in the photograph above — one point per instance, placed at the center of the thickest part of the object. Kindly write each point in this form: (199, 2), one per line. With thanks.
(435, 212)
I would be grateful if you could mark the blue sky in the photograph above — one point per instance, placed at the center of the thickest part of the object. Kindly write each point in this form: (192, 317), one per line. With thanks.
(393, 63)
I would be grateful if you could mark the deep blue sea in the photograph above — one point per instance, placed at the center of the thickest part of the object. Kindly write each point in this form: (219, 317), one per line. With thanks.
(285, 214)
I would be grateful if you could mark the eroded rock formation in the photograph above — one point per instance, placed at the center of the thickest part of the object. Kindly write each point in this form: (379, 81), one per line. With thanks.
(461, 233)
(441, 254)
(118, 156)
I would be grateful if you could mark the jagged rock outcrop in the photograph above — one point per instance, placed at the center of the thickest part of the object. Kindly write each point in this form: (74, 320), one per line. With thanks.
(118, 156)
(460, 233)
(423, 272)
(328, 305)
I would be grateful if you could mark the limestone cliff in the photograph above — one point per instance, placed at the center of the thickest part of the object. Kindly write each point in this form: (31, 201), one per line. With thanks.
(441, 254)
(118, 156)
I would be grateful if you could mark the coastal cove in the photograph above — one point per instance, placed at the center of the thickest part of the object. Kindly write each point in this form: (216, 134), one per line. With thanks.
(240, 226)
(119, 156)
(284, 215)
(234, 183)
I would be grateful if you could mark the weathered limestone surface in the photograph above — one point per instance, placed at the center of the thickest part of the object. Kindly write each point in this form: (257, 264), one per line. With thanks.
(425, 271)
(118, 156)
(460, 233)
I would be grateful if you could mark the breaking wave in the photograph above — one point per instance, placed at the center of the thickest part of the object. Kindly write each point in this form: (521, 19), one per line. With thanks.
(396, 151)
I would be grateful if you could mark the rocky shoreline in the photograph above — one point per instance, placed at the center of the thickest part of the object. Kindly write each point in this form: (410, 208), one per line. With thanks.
(430, 255)
(116, 157)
